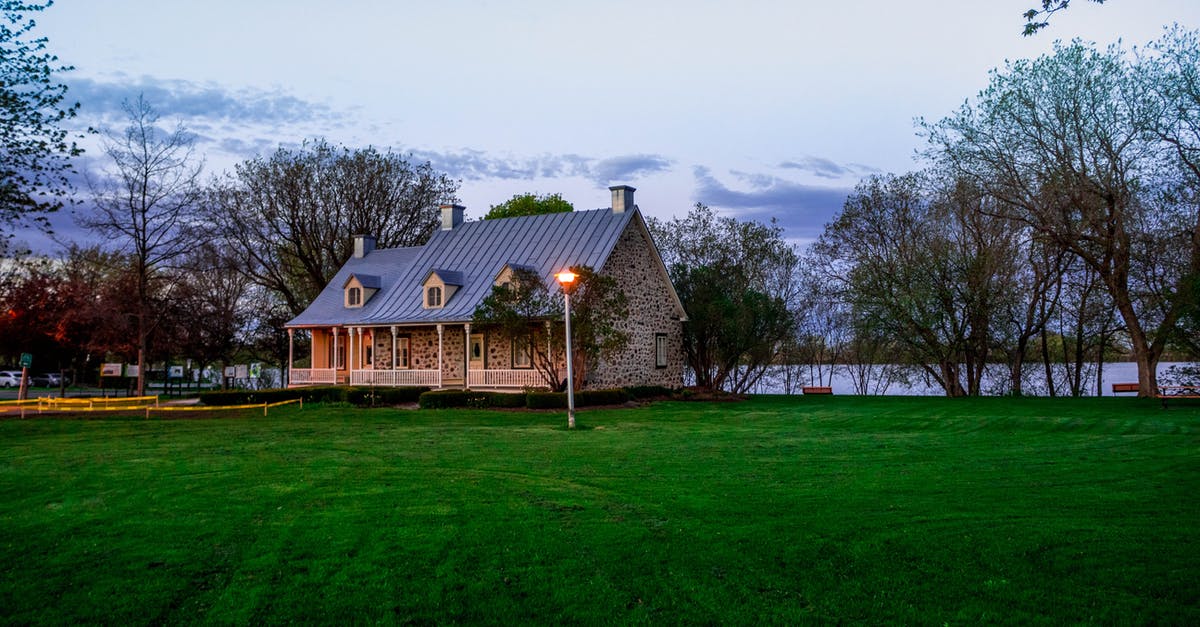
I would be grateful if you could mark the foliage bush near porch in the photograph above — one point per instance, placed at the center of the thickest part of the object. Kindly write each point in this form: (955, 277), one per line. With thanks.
(360, 396)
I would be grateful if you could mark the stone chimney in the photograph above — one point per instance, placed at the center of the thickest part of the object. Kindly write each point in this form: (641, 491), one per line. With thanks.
(452, 216)
(363, 245)
(622, 198)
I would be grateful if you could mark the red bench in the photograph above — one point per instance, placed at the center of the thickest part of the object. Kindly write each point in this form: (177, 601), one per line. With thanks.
(1119, 388)
(812, 389)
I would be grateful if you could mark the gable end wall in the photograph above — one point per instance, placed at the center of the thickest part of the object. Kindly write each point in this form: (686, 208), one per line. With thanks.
(651, 311)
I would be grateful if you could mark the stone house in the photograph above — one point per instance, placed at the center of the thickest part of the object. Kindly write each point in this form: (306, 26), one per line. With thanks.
(402, 316)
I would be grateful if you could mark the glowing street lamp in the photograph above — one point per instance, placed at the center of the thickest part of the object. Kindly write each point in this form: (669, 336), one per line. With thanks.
(566, 278)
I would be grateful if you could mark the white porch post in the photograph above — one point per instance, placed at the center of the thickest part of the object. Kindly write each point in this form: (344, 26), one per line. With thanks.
(467, 354)
(439, 329)
(356, 349)
(550, 353)
(312, 348)
(393, 329)
(334, 357)
(291, 354)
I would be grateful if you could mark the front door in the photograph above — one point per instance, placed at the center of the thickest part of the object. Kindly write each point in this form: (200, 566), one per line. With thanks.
(476, 351)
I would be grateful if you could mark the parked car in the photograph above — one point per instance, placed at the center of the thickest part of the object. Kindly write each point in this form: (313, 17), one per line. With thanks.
(55, 379)
(39, 381)
(10, 378)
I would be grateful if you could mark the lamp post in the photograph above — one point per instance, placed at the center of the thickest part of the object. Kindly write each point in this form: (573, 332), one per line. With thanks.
(566, 278)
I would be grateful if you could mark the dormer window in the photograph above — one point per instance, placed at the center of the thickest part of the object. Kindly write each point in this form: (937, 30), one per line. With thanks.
(512, 274)
(438, 288)
(358, 289)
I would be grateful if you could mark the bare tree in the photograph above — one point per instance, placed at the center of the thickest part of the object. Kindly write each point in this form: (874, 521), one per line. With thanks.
(289, 217)
(144, 205)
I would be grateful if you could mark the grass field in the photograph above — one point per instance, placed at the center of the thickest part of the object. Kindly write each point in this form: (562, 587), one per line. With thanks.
(775, 510)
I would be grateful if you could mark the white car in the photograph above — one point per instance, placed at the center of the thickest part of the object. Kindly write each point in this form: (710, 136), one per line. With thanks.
(10, 378)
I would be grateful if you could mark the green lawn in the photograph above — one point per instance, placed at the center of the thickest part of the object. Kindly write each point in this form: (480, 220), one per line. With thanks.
(775, 510)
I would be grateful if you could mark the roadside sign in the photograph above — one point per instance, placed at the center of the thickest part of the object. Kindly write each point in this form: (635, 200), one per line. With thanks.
(26, 360)
(111, 370)
(243, 371)
(255, 370)
(131, 370)
(230, 372)
(175, 372)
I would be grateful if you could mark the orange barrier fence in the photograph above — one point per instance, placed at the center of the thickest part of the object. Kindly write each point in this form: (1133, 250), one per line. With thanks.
(140, 403)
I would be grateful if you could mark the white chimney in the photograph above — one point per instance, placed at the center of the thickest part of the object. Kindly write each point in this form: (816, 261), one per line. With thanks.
(622, 198)
(452, 216)
(363, 245)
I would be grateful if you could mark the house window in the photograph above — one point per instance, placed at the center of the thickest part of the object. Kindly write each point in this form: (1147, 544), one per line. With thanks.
(354, 297)
(340, 357)
(660, 350)
(433, 297)
(402, 352)
(476, 351)
(522, 353)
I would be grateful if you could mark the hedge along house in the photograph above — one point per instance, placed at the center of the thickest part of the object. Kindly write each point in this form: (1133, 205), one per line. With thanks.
(402, 316)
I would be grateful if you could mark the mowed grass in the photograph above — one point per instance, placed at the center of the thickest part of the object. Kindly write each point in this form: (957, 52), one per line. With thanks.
(774, 510)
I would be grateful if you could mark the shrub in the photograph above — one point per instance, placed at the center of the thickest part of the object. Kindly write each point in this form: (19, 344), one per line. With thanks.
(442, 399)
(589, 398)
(249, 397)
(583, 398)
(642, 392)
(505, 399)
(376, 396)
(546, 400)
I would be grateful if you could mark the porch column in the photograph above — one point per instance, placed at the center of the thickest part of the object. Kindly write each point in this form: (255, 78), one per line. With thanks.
(393, 329)
(467, 355)
(550, 353)
(312, 348)
(333, 358)
(439, 329)
(291, 355)
(356, 349)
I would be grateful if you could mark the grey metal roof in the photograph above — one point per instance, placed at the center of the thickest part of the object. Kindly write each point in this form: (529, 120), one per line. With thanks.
(368, 281)
(449, 277)
(478, 251)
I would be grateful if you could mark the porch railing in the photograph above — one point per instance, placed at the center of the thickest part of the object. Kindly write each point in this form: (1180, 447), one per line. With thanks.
(424, 378)
(505, 379)
(312, 376)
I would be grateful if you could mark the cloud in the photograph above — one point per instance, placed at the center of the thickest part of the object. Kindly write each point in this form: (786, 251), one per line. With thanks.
(801, 209)
(827, 168)
(474, 165)
(197, 102)
(627, 168)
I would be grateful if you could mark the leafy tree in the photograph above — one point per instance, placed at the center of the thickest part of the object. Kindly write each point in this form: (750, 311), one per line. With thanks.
(291, 217)
(144, 208)
(35, 150)
(923, 271)
(1037, 19)
(529, 205)
(1066, 144)
(526, 310)
(738, 283)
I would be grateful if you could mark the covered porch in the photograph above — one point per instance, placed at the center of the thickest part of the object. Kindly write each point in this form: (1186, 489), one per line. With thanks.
(435, 356)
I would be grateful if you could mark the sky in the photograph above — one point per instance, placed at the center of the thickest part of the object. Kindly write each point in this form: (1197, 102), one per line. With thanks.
(760, 109)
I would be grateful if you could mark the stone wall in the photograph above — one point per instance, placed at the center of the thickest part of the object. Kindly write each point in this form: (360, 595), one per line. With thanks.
(651, 311)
